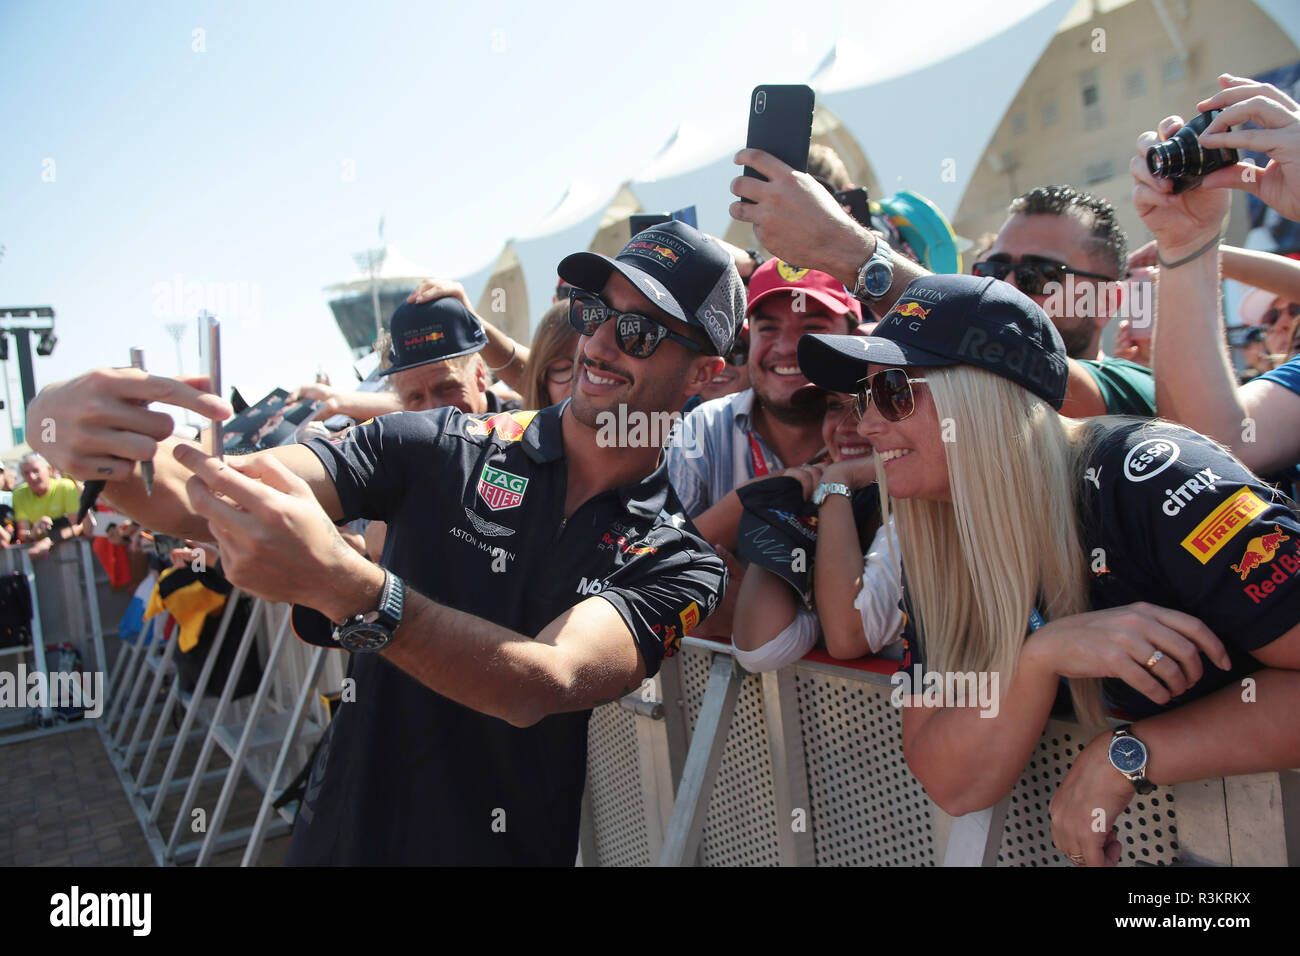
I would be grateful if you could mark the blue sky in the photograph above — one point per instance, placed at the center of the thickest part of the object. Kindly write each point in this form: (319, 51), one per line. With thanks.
(133, 162)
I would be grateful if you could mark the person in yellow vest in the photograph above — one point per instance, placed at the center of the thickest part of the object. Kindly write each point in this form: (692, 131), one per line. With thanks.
(45, 507)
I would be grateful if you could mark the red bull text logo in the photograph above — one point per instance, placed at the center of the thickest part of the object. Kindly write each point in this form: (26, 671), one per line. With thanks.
(1285, 567)
(500, 489)
(1222, 525)
(428, 337)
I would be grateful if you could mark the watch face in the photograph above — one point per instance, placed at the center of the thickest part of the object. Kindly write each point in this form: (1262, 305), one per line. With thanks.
(878, 279)
(364, 637)
(1127, 754)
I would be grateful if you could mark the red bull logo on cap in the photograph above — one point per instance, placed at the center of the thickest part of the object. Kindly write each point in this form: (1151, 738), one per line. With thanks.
(431, 336)
(1260, 551)
(1222, 525)
(912, 310)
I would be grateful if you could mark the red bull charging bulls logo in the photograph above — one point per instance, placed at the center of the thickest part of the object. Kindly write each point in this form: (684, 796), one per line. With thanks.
(1260, 551)
(913, 310)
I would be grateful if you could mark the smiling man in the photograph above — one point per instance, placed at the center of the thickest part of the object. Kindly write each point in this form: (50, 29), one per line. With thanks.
(530, 571)
(763, 429)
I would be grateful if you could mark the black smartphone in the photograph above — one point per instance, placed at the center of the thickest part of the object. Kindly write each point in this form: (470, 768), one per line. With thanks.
(640, 221)
(780, 123)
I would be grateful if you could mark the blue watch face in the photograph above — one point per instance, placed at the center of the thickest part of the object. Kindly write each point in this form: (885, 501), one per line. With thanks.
(878, 279)
(1128, 754)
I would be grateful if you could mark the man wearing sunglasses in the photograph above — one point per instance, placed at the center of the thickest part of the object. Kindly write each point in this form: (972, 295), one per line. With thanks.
(531, 571)
(1057, 238)
(796, 219)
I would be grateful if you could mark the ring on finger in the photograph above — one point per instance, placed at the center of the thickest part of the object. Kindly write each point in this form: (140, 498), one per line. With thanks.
(1154, 659)
(1075, 858)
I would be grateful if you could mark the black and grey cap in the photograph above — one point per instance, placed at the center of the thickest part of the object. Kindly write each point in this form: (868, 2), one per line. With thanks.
(950, 320)
(680, 270)
(425, 332)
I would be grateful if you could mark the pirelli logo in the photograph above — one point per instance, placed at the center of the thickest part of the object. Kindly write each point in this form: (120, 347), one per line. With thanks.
(1223, 524)
(690, 617)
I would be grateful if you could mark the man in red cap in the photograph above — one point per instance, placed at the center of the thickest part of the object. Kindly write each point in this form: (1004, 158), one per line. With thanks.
(764, 429)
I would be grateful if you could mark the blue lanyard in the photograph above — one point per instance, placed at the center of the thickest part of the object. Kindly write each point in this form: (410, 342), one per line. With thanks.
(1035, 620)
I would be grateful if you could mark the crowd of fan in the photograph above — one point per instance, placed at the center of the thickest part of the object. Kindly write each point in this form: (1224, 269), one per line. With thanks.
(886, 576)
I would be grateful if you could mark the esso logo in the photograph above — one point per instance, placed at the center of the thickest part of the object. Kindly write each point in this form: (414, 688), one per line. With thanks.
(1149, 458)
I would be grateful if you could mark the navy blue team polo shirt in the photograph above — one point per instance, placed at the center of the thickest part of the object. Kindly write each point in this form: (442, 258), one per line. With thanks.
(475, 513)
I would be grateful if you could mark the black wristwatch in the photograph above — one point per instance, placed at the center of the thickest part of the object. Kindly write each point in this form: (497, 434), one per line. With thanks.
(1128, 755)
(373, 631)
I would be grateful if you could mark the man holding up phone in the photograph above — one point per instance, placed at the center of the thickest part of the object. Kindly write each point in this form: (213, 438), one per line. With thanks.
(1051, 232)
(531, 570)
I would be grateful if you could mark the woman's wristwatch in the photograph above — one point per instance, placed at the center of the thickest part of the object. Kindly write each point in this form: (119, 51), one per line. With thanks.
(830, 488)
(1128, 755)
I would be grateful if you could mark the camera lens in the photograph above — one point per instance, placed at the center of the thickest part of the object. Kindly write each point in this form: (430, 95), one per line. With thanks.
(1181, 158)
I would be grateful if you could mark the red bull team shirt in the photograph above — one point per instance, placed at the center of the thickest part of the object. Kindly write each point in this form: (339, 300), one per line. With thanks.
(475, 512)
(1168, 517)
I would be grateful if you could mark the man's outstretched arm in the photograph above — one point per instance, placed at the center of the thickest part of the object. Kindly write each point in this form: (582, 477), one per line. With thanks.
(278, 543)
(95, 426)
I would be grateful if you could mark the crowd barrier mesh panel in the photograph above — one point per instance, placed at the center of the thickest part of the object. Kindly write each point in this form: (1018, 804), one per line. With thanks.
(614, 782)
(740, 828)
(1147, 833)
(867, 808)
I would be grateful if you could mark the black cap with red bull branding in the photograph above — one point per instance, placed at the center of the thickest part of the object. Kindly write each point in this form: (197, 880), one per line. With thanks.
(434, 331)
(678, 268)
(950, 320)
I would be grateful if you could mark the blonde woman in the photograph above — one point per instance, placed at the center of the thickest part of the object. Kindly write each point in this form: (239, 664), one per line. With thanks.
(1036, 547)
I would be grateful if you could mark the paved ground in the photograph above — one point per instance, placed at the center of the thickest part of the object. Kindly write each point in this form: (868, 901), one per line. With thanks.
(62, 804)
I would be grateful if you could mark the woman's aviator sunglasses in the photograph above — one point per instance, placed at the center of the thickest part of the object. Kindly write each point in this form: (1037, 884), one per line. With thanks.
(637, 335)
(891, 390)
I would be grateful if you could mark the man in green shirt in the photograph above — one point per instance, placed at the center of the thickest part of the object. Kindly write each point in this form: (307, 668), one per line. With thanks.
(44, 506)
(1064, 249)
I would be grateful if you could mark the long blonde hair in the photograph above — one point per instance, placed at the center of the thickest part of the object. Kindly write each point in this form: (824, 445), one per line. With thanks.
(1009, 540)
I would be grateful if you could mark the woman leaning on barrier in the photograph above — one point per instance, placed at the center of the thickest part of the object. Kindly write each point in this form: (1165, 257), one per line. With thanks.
(1035, 547)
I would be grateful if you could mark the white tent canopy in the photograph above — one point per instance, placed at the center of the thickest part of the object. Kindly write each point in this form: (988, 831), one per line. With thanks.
(909, 105)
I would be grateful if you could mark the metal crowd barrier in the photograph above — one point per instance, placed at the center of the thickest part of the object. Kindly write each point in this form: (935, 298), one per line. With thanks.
(805, 766)
(267, 737)
(706, 766)
(65, 608)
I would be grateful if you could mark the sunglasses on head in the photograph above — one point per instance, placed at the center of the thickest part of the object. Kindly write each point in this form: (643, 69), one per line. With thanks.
(637, 335)
(1272, 315)
(1032, 273)
(891, 390)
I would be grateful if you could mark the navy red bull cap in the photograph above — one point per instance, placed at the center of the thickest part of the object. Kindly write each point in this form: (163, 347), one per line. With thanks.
(678, 268)
(434, 331)
(949, 320)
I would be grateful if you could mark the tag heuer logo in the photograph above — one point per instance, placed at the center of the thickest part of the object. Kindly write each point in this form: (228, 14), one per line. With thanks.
(500, 489)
